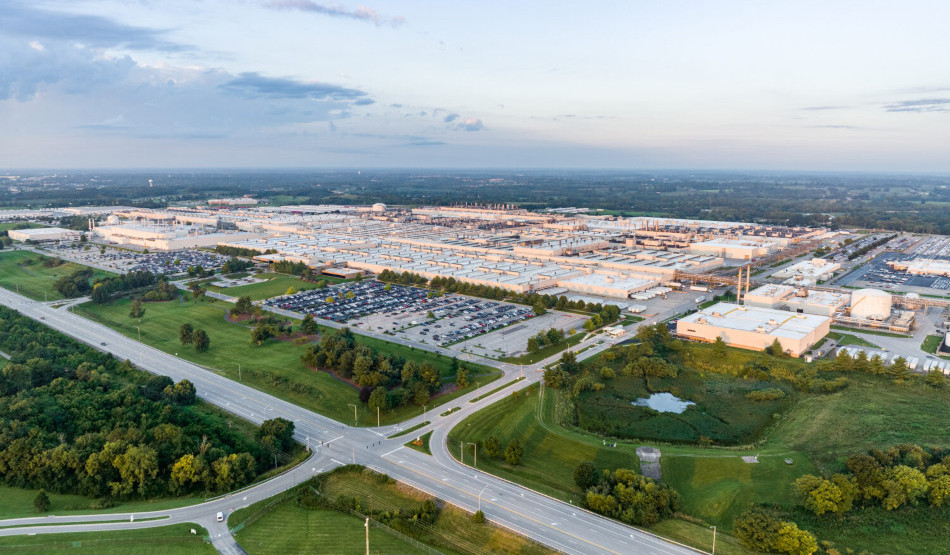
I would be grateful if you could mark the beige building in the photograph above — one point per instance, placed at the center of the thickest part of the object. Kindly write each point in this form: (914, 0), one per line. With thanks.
(44, 234)
(755, 328)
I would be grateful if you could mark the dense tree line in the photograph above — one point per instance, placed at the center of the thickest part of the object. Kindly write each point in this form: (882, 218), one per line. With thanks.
(104, 289)
(625, 495)
(74, 420)
(761, 531)
(233, 265)
(893, 478)
(239, 251)
(553, 336)
(75, 284)
(397, 381)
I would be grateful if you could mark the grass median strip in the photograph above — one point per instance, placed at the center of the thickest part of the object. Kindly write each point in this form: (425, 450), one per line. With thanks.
(410, 430)
(496, 390)
(421, 444)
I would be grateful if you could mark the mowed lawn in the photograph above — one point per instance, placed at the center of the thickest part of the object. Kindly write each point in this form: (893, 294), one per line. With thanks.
(18, 503)
(276, 284)
(175, 539)
(35, 280)
(274, 367)
(719, 487)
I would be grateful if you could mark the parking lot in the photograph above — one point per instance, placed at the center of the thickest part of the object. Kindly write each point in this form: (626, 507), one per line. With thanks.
(877, 274)
(490, 328)
(122, 261)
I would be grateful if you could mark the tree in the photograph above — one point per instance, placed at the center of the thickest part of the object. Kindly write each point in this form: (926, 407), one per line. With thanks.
(513, 452)
(903, 486)
(195, 289)
(309, 325)
(277, 432)
(377, 399)
(775, 349)
(136, 310)
(41, 501)
(261, 332)
(936, 379)
(533, 345)
(186, 334)
(478, 517)
(290, 291)
(719, 348)
(182, 393)
(492, 447)
(461, 378)
(539, 309)
(201, 340)
(137, 467)
(899, 370)
(421, 395)
(242, 306)
(585, 475)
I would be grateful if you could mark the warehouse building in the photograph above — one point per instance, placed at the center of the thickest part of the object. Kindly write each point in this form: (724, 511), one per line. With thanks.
(755, 328)
(40, 234)
(796, 299)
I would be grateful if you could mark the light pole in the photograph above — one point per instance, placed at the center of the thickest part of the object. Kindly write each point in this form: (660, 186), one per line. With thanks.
(714, 540)
(139, 328)
(462, 451)
(423, 414)
(367, 535)
(377, 416)
(354, 412)
(480, 498)
(475, 445)
(239, 370)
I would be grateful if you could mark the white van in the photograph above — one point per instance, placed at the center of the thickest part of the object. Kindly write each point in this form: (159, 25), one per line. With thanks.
(220, 517)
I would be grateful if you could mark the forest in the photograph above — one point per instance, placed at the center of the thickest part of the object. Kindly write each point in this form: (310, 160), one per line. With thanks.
(75, 420)
(915, 203)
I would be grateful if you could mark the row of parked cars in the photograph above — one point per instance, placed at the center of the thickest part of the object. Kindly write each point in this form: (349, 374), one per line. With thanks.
(358, 299)
(482, 317)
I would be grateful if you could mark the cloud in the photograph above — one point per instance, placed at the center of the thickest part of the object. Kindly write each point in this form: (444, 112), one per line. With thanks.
(451, 117)
(26, 21)
(361, 13)
(471, 124)
(76, 69)
(920, 105)
(364, 102)
(109, 124)
(255, 85)
(425, 142)
(823, 108)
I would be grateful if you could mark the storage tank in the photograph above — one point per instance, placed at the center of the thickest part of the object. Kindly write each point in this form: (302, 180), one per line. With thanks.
(873, 304)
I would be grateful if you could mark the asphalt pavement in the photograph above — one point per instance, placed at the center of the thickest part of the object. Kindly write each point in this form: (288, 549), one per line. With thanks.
(559, 525)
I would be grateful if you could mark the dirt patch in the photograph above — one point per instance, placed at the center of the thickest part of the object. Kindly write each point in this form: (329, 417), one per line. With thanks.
(238, 318)
(298, 335)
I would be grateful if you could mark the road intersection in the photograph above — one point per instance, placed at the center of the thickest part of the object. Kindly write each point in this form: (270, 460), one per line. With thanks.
(559, 525)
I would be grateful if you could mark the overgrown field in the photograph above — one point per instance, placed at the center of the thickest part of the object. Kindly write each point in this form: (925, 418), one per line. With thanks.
(274, 367)
(290, 527)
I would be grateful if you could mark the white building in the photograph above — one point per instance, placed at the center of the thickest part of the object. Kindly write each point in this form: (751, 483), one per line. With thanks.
(44, 234)
(808, 272)
(755, 328)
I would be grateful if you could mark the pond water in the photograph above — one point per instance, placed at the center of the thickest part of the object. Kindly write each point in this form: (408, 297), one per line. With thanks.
(663, 402)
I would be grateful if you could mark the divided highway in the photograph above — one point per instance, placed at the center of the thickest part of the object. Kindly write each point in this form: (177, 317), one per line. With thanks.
(559, 525)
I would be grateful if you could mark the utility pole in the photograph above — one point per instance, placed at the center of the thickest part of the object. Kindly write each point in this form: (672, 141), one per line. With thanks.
(475, 445)
(367, 535)
(714, 541)
(239, 370)
(354, 412)
(377, 417)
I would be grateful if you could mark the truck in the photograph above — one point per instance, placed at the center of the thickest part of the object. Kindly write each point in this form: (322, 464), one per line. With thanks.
(700, 299)
(703, 288)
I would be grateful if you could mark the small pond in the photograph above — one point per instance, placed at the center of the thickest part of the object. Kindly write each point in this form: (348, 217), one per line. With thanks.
(663, 402)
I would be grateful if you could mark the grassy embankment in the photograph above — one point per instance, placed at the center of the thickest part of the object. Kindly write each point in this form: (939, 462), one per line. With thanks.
(276, 284)
(287, 528)
(815, 431)
(848, 339)
(33, 279)
(275, 366)
(175, 539)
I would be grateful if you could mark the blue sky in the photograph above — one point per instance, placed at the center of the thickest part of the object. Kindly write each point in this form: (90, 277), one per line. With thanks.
(807, 85)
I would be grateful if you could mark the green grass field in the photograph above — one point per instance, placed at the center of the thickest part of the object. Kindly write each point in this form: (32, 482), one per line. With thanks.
(546, 351)
(7, 226)
(18, 503)
(848, 339)
(931, 344)
(175, 539)
(276, 284)
(871, 412)
(289, 529)
(274, 367)
(35, 280)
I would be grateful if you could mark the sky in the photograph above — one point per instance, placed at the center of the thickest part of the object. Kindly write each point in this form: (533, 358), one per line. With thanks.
(803, 85)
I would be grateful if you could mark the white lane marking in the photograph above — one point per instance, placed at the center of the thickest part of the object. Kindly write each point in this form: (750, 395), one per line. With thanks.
(393, 451)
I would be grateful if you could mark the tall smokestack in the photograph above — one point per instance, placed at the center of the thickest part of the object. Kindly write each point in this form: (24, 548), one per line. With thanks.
(748, 275)
(739, 288)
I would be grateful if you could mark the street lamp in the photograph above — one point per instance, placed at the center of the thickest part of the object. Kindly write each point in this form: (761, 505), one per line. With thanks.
(714, 540)
(354, 412)
(239, 370)
(139, 328)
(480, 498)
(475, 445)
(423, 414)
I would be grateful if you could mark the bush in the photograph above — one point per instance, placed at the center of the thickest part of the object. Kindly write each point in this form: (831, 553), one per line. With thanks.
(765, 395)
(478, 517)
(513, 452)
